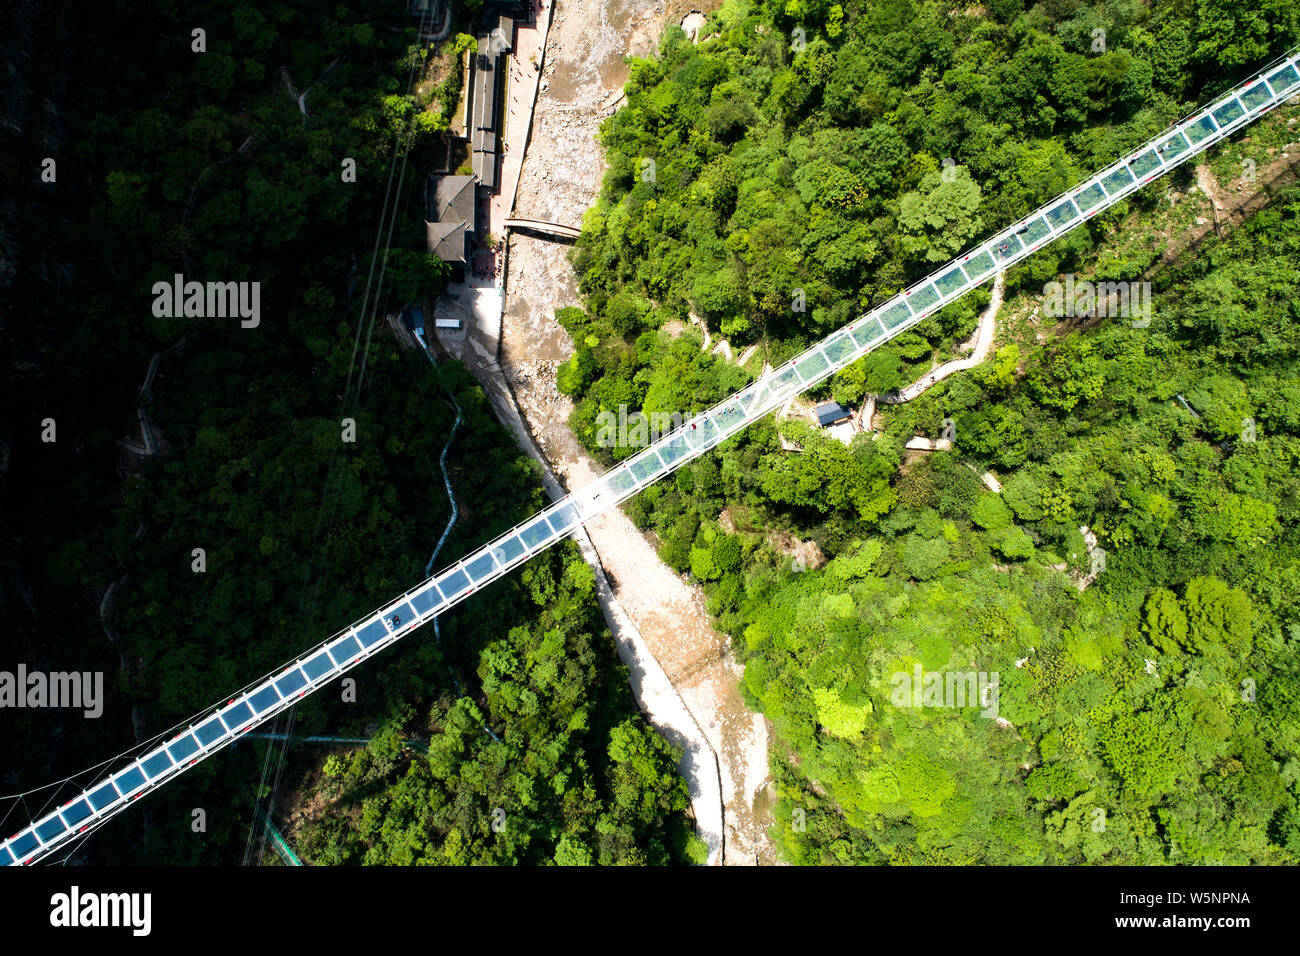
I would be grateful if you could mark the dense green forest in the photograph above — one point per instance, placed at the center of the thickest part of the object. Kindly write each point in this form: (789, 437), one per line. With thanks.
(1163, 696)
(1149, 718)
(203, 163)
(804, 161)
(809, 160)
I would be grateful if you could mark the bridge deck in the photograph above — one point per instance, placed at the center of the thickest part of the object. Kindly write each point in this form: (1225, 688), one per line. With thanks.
(541, 225)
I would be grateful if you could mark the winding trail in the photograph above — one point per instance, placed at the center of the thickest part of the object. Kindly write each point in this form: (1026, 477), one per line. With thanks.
(301, 98)
(446, 481)
(455, 511)
(980, 344)
(147, 447)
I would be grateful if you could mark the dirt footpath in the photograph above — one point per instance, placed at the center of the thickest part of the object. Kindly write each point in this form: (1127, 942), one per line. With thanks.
(582, 80)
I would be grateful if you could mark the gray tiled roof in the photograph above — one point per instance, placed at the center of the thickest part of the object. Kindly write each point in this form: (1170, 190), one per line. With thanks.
(452, 212)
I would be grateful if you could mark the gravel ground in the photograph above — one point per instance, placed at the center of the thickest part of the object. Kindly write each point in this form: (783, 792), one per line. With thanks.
(581, 83)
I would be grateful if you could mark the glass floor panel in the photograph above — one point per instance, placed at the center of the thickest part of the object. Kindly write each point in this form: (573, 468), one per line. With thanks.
(621, 481)
(950, 281)
(923, 298)
(454, 582)
(508, 549)
(480, 568)
(1117, 180)
(1173, 147)
(1062, 213)
(1201, 130)
(838, 349)
(1090, 197)
(1284, 78)
(1255, 97)
(1228, 112)
(532, 536)
(1035, 231)
(1145, 163)
(982, 263)
(895, 315)
(646, 466)
(563, 518)
(812, 366)
(674, 451)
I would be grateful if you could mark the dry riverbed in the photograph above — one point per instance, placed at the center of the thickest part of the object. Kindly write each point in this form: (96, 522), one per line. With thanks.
(582, 79)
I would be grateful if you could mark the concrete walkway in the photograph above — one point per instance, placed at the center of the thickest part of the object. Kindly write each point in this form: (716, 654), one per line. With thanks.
(525, 73)
(980, 345)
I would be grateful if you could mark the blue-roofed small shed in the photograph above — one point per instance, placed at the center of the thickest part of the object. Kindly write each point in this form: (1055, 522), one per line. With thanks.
(830, 413)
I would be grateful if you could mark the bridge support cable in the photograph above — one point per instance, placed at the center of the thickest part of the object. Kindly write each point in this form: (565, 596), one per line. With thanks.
(418, 744)
(262, 700)
(275, 760)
